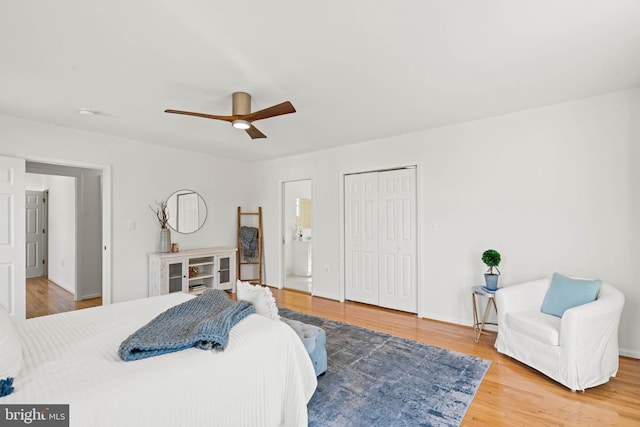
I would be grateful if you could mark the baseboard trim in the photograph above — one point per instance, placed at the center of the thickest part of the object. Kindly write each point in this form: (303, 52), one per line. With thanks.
(630, 353)
(90, 296)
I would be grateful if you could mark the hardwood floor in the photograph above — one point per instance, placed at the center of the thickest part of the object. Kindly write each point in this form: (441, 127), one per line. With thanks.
(45, 297)
(511, 394)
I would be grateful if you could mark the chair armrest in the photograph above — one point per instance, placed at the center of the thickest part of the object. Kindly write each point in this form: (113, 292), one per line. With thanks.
(590, 326)
(522, 297)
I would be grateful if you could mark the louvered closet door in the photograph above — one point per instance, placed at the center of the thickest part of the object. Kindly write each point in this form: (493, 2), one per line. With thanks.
(361, 237)
(397, 240)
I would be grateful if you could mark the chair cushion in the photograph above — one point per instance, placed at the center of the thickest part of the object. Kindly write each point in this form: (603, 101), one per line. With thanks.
(565, 293)
(543, 327)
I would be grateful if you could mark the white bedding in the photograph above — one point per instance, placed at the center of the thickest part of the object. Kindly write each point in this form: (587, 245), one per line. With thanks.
(263, 378)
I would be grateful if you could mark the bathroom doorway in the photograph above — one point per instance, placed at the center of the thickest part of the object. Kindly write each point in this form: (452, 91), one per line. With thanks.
(297, 235)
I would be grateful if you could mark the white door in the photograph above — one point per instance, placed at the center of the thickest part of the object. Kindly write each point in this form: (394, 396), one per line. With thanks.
(34, 224)
(397, 257)
(12, 236)
(361, 237)
(381, 239)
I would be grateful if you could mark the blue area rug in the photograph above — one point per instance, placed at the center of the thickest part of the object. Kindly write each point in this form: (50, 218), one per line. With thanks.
(377, 379)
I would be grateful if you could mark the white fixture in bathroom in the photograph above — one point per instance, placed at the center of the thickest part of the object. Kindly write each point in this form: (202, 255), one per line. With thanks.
(302, 257)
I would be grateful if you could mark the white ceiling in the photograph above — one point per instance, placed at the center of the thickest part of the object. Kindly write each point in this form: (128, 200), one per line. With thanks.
(355, 70)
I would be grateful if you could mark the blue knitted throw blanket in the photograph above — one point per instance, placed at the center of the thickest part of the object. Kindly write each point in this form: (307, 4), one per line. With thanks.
(6, 386)
(203, 322)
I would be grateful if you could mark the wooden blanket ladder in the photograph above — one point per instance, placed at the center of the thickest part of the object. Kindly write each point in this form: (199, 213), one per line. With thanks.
(250, 247)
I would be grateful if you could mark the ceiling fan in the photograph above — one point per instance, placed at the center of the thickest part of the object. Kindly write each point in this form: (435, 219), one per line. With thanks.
(242, 117)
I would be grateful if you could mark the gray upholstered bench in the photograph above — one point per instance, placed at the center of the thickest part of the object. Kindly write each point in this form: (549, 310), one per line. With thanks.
(314, 339)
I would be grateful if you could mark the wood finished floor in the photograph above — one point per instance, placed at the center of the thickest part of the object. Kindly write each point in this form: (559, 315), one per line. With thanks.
(45, 297)
(511, 394)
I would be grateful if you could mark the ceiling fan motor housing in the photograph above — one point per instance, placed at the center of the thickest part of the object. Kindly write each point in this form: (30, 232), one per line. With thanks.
(241, 103)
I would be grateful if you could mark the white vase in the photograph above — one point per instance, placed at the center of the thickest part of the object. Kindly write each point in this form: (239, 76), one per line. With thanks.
(165, 240)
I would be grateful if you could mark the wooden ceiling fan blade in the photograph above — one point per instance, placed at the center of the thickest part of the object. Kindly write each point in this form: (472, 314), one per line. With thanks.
(242, 104)
(206, 116)
(254, 133)
(276, 110)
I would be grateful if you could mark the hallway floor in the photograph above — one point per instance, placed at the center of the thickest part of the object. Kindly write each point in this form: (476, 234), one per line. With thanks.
(45, 297)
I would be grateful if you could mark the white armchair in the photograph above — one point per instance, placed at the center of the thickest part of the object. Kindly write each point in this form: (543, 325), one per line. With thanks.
(579, 350)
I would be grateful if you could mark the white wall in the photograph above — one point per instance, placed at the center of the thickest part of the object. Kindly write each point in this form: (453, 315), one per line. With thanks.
(62, 231)
(553, 189)
(141, 174)
(35, 182)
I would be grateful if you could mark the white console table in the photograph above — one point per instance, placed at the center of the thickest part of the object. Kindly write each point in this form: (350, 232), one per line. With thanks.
(192, 271)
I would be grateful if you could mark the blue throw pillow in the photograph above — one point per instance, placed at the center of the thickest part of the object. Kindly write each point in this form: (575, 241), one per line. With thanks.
(565, 293)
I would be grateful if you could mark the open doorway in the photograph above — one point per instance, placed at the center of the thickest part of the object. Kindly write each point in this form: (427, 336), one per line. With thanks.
(297, 235)
(64, 236)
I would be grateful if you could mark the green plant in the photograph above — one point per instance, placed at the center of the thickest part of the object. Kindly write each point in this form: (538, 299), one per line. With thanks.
(491, 258)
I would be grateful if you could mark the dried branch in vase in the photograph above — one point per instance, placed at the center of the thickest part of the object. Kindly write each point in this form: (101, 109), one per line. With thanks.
(161, 213)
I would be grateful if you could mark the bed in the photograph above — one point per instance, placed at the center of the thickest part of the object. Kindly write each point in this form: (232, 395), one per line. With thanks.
(263, 378)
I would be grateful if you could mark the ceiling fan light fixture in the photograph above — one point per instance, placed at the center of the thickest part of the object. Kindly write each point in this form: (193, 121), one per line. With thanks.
(241, 124)
(242, 117)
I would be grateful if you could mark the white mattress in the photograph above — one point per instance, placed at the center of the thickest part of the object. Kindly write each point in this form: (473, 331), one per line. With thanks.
(263, 378)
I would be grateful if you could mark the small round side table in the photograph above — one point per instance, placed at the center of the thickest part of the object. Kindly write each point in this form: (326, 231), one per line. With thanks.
(478, 326)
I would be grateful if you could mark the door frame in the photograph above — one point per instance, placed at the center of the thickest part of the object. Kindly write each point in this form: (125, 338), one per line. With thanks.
(106, 214)
(418, 165)
(281, 252)
(45, 236)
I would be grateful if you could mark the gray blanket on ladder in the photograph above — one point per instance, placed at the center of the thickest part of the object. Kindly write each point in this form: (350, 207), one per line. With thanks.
(203, 322)
(249, 241)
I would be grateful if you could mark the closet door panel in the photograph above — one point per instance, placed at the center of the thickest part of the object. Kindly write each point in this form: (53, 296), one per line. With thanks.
(398, 240)
(361, 238)
(407, 242)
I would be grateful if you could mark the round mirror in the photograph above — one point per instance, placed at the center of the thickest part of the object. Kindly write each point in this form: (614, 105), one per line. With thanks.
(187, 211)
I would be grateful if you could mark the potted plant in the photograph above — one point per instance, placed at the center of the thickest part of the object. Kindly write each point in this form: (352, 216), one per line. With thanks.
(491, 258)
